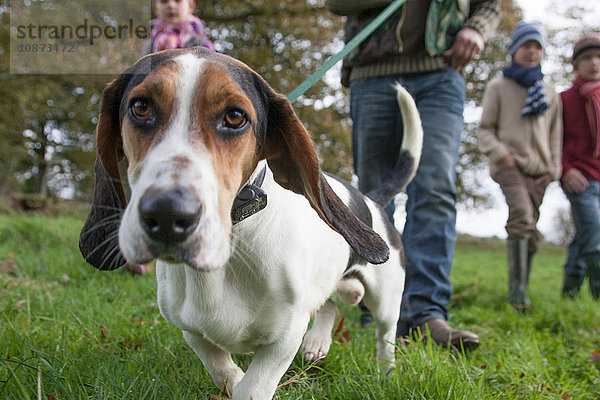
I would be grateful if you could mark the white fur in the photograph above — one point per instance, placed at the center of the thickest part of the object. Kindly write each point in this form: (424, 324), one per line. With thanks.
(412, 123)
(256, 284)
(281, 272)
(163, 173)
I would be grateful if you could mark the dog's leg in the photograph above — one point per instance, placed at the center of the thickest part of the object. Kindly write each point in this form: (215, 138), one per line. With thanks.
(224, 372)
(270, 363)
(384, 304)
(318, 339)
(386, 337)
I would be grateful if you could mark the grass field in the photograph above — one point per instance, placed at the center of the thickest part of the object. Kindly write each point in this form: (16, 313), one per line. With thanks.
(68, 331)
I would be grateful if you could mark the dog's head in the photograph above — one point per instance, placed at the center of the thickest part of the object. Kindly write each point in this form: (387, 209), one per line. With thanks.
(193, 125)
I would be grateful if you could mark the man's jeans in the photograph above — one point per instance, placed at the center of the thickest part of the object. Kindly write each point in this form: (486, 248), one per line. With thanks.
(430, 230)
(585, 246)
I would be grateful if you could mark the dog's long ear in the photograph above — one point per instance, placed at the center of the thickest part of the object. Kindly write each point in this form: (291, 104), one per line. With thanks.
(108, 133)
(291, 155)
(98, 241)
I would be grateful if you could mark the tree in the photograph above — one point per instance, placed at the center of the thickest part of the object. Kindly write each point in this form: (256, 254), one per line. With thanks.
(47, 121)
(48, 128)
(57, 123)
(571, 20)
(46, 131)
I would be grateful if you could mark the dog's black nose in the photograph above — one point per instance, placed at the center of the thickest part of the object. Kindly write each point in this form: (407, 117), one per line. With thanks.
(171, 216)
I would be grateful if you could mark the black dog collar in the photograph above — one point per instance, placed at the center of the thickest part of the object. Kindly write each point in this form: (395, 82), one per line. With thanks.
(250, 200)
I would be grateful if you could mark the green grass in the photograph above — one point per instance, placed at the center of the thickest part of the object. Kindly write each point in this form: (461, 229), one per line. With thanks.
(68, 331)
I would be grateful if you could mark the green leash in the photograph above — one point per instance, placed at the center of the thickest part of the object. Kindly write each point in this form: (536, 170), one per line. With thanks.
(351, 45)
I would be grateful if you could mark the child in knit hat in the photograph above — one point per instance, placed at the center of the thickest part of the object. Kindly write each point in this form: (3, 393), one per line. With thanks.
(581, 166)
(521, 134)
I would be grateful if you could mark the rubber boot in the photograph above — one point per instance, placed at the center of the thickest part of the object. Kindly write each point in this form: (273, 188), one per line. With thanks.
(529, 260)
(517, 248)
(571, 286)
(593, 273)
(366, 318)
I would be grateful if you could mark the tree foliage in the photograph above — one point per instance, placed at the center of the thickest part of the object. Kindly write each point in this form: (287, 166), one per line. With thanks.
(47, 121)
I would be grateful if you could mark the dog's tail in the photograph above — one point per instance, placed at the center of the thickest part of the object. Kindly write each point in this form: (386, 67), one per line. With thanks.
(410, 151)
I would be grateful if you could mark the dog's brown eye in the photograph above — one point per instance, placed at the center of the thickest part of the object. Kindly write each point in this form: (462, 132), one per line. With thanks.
(234, 119)
(140, 109)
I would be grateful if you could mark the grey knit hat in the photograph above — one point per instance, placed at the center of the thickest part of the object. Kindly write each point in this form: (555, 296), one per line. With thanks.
(524, 32)
(589, 41)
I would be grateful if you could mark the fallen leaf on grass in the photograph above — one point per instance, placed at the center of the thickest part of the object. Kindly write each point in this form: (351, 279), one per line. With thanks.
(20, 303)
(126, 346)
(340, 334)
(138, 321)
(595, 357)
(8, 267)
(104, 331)
(542, 386)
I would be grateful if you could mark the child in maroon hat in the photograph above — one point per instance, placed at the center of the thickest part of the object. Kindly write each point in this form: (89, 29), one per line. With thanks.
(581, 166)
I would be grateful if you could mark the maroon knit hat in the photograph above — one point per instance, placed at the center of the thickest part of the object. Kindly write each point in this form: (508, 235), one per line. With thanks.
(589, 41)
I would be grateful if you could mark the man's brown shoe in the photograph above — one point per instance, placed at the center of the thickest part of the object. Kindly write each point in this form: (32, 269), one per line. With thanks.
(443, 334)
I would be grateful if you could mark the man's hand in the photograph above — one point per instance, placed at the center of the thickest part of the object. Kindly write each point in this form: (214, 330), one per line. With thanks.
(468, 45)
(573, 181)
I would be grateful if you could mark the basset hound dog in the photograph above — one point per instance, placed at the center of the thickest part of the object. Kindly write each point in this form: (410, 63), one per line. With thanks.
(251, 238)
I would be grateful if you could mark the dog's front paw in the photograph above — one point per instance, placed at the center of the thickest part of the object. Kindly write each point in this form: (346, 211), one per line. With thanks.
(316, 345)
(226, 380)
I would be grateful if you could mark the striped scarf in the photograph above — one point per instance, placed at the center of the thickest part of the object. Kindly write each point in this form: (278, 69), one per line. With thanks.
(532, 79)
(171, 36)
(590, 91)
(443, 17)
